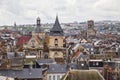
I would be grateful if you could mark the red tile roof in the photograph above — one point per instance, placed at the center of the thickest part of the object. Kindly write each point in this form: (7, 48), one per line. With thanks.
(76, 54)
(23, 39)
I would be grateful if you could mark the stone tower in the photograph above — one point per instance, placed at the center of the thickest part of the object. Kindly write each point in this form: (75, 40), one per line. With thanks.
(91, 31)
(56, 38)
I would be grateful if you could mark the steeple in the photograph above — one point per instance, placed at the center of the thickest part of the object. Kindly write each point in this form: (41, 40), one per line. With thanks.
(56, 30)
(38, 26)
(15, 26)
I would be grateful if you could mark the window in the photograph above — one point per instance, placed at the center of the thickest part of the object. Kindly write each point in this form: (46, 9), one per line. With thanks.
(58, 77)
(50, 78)
(94, 63)
(56, 42)
(53, 77)
(40, 54)
(97, 63)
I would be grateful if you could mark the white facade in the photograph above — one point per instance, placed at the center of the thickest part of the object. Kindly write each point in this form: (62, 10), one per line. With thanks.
(5, 78)
(55, 76)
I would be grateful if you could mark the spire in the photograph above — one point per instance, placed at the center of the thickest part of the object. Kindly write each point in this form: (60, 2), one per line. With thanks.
(56, 30)
(57, 24)
(14, 24)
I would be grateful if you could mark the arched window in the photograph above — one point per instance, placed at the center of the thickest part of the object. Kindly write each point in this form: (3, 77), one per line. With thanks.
(56, 42)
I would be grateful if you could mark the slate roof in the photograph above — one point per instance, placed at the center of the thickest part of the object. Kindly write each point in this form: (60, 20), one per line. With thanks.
(22, 74)
(45, 61)
(56, 30)
(57, 68)
(38, 29)
(84, 57)
(73, 65)
(87, 45)
(11, 55)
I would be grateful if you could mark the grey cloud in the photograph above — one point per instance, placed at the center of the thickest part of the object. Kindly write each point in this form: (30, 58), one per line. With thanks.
(26, 11)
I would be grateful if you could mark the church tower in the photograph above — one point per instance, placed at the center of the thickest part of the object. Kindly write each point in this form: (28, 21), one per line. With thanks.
(38, 26)
(90, 24)
(91, 31)
(38, 31)
(56, 38)
(36, 43)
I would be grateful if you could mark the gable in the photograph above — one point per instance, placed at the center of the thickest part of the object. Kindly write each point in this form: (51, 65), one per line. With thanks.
(34, 42)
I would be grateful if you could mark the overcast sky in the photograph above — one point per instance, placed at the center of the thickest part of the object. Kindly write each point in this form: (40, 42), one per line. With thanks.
(26, 11)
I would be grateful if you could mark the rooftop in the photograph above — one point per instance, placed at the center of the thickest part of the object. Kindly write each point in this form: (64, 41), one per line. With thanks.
(45, 61)
(56, 30)
(22, 74)
(57, 68)
(23, 39)
(83, 75)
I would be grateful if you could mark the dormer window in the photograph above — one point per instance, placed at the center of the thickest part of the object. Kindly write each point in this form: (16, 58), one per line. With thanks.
(56, 42)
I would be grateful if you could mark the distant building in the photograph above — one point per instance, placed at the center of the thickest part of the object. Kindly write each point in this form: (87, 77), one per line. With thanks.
(91, 31)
